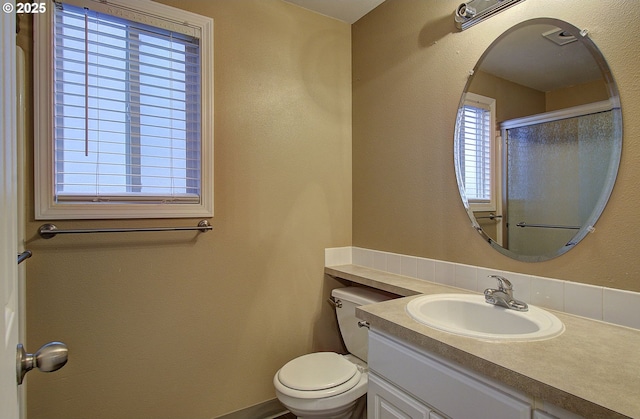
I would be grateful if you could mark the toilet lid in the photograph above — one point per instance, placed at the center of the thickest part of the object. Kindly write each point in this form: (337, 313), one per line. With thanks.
(317, 371)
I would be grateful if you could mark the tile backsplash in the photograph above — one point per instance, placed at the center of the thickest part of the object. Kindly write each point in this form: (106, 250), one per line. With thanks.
(598, 303)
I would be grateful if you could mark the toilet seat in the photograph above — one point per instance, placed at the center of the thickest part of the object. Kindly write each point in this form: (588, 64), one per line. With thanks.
(317, 375)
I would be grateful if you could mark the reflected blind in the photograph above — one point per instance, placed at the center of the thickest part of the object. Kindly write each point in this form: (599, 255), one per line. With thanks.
(475, 143)
(127, 110)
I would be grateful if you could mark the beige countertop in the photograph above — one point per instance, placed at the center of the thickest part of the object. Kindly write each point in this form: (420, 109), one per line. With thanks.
(592, 369)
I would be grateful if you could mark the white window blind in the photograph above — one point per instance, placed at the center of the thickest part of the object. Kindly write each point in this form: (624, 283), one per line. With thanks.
(127, 108)
(476, 151)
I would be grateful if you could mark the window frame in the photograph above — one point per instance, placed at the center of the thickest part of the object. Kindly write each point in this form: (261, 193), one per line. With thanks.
(476, 100)
(46, 206)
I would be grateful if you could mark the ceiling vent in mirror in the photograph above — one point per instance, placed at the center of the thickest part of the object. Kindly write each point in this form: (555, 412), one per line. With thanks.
(475, 11)
(560, 36)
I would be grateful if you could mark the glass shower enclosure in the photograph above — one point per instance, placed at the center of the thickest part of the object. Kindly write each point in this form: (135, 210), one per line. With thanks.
(554, 172)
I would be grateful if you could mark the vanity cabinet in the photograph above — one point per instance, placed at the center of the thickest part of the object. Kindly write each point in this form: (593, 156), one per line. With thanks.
(406, 382)
(386, 401)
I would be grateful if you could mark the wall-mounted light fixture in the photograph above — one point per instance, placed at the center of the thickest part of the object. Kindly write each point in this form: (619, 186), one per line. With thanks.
(475, 11)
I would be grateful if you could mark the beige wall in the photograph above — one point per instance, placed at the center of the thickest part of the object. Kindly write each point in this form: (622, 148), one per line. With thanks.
(524, 101)
(187, 325)
(521, 100)
(410, 65)
(576, 95)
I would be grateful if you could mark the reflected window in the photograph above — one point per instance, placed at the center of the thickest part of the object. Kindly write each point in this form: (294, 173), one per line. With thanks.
(477, 145)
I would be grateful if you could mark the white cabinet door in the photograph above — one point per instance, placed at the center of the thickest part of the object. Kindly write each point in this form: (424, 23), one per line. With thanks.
(554, 412)
(539, 414)
(388, 402)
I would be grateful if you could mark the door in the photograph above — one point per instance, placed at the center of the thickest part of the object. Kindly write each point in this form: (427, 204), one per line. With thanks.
(9, 312)
(385, 401)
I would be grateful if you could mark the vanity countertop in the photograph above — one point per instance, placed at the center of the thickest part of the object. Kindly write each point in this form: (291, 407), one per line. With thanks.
(592, 369)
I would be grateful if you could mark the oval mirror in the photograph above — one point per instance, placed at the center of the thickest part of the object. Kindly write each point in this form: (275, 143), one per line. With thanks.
(538, 139)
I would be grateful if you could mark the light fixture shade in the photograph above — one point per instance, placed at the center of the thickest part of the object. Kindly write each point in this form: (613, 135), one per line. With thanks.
(475, 11)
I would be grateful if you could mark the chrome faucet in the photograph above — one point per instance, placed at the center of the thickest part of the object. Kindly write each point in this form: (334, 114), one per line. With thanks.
(503, 296)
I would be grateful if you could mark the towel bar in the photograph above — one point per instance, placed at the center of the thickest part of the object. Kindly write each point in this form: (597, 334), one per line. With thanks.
(48, 231)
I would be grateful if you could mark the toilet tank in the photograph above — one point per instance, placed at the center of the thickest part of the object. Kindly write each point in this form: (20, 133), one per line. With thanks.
(354, 337)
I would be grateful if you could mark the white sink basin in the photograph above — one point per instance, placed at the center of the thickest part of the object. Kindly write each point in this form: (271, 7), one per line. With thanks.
(469, 315)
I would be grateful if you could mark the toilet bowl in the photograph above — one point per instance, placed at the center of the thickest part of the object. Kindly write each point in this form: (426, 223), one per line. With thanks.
(322, 385)
(329, 385)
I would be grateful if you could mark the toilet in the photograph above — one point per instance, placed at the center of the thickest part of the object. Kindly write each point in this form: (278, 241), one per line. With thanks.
(328, 385)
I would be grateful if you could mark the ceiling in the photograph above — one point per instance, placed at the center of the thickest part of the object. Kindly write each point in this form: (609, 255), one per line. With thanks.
(525, 57)
(345, 10)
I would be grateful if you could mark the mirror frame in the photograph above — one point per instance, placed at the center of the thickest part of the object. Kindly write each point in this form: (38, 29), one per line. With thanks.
(614, 162)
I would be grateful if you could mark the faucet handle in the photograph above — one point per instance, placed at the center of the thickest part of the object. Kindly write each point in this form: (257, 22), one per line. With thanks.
(503, 283)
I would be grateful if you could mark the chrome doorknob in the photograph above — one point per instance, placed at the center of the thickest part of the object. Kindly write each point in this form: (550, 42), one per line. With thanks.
(50, 357)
